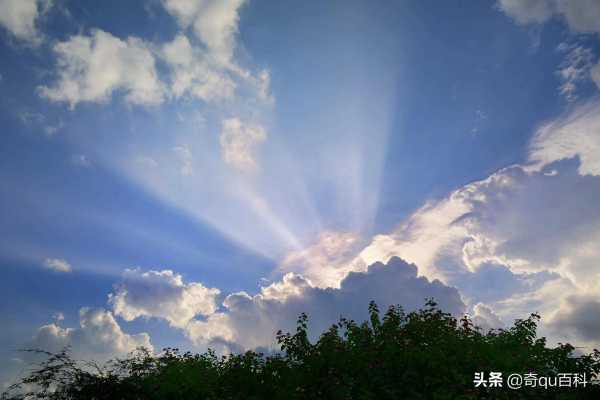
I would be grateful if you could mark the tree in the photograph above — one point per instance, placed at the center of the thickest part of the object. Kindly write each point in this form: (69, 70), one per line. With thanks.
(425, 354)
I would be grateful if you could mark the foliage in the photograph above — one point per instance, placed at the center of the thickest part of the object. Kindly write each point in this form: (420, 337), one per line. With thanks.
(426, 354)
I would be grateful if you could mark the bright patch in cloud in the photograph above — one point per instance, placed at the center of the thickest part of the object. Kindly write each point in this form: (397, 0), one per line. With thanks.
(327, 261)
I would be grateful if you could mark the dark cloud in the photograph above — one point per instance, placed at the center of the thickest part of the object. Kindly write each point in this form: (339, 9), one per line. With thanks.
(580, 318)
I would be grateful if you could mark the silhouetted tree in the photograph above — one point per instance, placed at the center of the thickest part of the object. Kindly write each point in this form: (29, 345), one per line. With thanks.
(425, 354)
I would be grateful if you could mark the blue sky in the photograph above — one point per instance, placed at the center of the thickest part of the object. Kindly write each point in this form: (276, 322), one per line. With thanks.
(197, 172)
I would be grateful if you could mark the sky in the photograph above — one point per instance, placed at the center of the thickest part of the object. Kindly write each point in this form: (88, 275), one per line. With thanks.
(196, 173)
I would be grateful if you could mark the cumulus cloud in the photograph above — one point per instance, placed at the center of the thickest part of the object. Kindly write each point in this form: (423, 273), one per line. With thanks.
(91, 68)
(193, 73)
(429, 233)
(57, 264)
(161, 294)
(213, 21)
(251, 321)
(510, 219)
(200, 67)
(238, 142)
(19, 17)
(98, 336)
(530, 232)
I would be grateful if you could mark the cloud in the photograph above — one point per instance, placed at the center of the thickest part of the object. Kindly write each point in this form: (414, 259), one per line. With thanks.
(527, 11)
(579, 317)
(529, 233)
(161, 294)
(98, 337)
(57, 264)
(251, 321)
(582, 16)
(246, 321)
(238, 142)
(326, 262)
(429, 235)
(19, 17)
(214, 22)
(573, 135)
(38, 121)
(84, 75)
(485, 318)
(575, 68)
(526, 221)
(193, 73)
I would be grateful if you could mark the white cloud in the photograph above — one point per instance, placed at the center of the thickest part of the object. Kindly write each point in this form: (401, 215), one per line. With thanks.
(523, 239)
(326, 262)
(19, 17)
(575, 135)
(214, 22)
(582, 16)
(238, 142)
(161, 294)
(98, 336)
(206, 72)
(58, 316)
(427, 235)
(574, 69)
(193, 73)
(251, 321)
(91, 68)
(57, 264)
(527, 11)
